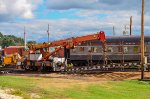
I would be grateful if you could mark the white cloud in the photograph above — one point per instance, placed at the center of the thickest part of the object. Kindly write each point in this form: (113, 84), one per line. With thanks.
(63, 28)
(105, 13)
(11, 9)
(90, 11)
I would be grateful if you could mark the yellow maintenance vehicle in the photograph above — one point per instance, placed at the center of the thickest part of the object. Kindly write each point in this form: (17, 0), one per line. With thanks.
(11, 59)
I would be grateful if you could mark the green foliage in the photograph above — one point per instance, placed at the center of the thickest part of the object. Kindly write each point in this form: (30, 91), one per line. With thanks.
(112, 90)
(31, 42)
(1, 35)
(10, 40)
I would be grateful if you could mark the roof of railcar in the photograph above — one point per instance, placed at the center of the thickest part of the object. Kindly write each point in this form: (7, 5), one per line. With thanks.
(117, 39)
(126, 38)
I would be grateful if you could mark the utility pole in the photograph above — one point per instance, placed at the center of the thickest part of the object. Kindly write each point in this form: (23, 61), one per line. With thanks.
(48, 38)
(113, 30)
(125, 27)
(48, 33)
(125, 31)
(142, 42)
(130, 25)
(25, 38)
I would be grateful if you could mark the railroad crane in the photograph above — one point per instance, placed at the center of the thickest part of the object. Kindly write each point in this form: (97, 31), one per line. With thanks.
(39, 55)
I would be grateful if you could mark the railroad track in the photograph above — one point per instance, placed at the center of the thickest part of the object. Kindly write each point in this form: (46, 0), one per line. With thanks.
(6, 70)
(129, 67)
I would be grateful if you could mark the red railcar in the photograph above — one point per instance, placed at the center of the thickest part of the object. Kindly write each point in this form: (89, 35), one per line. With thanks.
(13, 50)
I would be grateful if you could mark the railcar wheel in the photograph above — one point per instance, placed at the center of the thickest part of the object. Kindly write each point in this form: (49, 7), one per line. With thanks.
(34, 68)
(27, 68)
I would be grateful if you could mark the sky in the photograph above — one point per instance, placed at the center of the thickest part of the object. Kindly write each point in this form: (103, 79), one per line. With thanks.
(70, 18)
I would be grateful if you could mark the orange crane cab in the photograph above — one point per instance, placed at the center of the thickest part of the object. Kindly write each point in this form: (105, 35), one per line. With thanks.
(40, 58)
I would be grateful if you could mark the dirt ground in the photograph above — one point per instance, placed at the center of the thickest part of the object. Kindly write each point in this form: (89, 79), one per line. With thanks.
(105, 76)
(4, 95)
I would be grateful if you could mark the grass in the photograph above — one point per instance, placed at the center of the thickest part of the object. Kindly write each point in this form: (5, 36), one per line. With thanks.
(50, 88)
(113, 90)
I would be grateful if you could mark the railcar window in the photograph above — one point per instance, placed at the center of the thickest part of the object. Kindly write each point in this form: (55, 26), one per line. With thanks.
(110, 49)
(89, 49)
(145, 48)
(98, 49)
(148, 48)
(125, 49)
(92, 49)
(136, 49)
(120, 49)
(74, 50)
(81, 49)
(95, 49)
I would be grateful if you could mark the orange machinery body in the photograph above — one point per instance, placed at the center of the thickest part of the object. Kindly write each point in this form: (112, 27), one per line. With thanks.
(68, 43)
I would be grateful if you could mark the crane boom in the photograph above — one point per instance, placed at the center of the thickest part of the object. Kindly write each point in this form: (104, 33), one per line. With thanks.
(74, 40)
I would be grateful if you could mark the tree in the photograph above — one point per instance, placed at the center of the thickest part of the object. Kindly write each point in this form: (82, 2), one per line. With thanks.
(1, 35)
(10, 40)
(7, 42)
(31, 42)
